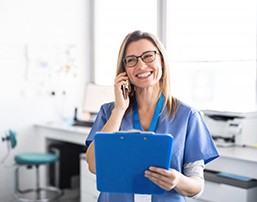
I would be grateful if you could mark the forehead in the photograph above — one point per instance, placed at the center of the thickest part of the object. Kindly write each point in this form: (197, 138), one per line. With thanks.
(140, 46)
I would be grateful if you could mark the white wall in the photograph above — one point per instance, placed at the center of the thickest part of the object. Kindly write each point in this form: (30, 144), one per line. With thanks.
(30, 30)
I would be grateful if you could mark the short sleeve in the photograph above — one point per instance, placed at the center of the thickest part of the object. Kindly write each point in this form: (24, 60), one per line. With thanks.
(199, 143)
(101, 118)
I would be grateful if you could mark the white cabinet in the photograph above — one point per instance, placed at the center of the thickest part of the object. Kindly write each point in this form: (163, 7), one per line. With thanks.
(88, 191)
(219, 192)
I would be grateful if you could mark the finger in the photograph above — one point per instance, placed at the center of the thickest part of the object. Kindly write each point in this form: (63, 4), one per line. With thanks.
(157, 176)
(161, 171)
(166, 176)
(121, 79)
(163, 184)
(123, 74)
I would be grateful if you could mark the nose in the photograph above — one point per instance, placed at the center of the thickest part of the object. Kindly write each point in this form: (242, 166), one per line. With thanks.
(141, 63)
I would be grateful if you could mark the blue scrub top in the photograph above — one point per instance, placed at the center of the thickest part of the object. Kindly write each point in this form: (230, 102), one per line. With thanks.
(192, 142)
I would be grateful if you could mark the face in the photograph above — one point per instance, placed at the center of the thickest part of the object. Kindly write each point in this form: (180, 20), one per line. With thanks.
(144, 75)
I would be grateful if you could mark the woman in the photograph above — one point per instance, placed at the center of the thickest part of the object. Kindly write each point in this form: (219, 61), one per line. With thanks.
(150, 106)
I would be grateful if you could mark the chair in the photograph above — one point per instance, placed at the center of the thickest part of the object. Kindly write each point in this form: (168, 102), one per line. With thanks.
(29, 160)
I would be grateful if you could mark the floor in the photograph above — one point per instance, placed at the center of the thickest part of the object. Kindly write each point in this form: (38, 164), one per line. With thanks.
(69, 195)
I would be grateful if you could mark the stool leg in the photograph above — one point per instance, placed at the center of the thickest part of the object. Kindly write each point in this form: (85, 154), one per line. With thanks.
(17, 179)
(37, 182)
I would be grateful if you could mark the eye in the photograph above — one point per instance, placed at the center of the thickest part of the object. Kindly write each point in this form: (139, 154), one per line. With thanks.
(148, 56)
(131, 60)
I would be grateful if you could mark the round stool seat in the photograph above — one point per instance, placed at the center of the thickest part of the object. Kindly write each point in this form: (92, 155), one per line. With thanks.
(35, 158)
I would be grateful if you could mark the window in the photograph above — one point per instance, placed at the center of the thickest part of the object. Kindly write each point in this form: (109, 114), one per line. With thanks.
(114, 19)
(212, 46)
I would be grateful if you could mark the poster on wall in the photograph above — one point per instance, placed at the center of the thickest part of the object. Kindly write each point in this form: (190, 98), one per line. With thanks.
(51, 64)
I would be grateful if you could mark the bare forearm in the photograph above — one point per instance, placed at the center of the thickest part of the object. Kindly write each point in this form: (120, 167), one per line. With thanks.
(90, 157)
(189, 186)
(114, 122)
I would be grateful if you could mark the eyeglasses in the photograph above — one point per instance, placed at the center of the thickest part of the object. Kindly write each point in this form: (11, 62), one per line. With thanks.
(147, 57)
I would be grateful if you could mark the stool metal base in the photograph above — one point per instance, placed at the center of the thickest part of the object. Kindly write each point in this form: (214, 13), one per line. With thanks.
(38, 194)
(44, 194)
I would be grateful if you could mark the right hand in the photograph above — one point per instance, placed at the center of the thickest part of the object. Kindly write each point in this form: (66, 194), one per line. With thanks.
(120, 102)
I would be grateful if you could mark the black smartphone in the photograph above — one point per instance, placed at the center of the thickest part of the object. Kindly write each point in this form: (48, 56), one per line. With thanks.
(124, 88)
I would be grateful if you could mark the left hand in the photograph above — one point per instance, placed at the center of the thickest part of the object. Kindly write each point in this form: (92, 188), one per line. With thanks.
(166, 179)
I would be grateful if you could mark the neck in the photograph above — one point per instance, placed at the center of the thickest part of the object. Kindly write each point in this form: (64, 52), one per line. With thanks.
(147, 98)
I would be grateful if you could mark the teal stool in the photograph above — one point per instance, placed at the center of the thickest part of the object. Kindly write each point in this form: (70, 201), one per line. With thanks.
(29, 160)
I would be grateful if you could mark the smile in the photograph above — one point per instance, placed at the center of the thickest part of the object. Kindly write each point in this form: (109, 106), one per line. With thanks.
(144, 75)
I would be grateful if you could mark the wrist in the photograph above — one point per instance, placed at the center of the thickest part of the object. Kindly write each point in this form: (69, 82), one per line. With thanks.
(118, 112)
(178, 180)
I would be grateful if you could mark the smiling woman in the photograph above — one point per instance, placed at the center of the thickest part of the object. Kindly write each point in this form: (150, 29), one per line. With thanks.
(152, 107)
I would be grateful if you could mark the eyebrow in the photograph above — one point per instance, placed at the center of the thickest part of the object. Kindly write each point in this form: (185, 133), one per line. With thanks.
(139, 55)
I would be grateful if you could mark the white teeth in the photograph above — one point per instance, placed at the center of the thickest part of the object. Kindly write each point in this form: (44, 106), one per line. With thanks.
(144, 75)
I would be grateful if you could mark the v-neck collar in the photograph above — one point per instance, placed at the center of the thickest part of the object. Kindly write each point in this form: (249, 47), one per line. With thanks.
(153, 125)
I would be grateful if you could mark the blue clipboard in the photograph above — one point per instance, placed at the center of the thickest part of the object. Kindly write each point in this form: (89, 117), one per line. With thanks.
(122, 157)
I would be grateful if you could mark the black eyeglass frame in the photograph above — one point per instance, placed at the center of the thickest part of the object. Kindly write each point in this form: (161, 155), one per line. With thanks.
(140, 56)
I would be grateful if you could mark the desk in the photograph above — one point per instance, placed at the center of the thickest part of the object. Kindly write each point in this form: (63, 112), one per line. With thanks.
(229, 156)
(63, 132)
